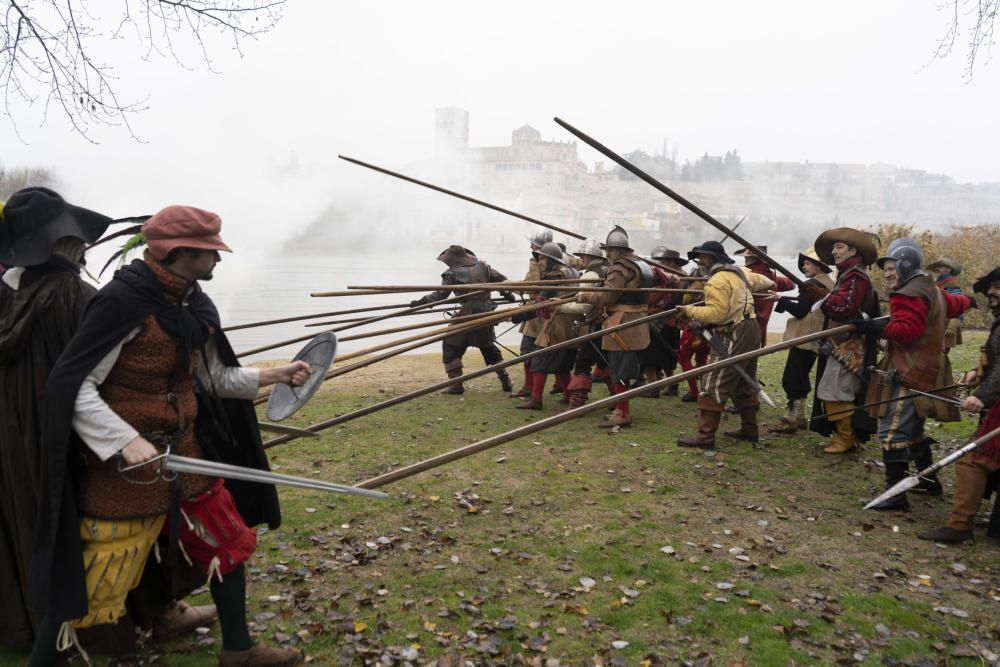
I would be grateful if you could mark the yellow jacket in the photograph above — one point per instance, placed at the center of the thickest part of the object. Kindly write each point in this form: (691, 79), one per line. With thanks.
(727, 299)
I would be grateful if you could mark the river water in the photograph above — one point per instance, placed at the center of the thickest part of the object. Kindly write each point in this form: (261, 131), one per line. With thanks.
(254, 288)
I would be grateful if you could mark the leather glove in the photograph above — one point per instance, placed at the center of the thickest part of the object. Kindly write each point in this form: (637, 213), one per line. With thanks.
(872, 328)
(517, 318)
(416, 302)
(508, 296)
(814, 291)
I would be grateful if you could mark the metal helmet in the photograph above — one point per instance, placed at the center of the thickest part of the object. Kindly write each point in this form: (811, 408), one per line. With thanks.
(907, 254)
(552, 251)
(617, 238)
(659, 251)
(590, 247)
(540, 237)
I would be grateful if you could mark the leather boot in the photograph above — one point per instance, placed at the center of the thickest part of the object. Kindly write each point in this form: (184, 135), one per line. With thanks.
(456, 388)
(801, 419)
(970, 484)
(577, 397)
(505, 383)
(689, 397)
(747, 408)
(842, 440)
(895, 471)
(525, 391)
(534, 402)
(650, 375)
(709, 416)
(616, 418)
(786, 425)
(923, 458)
(671, 390)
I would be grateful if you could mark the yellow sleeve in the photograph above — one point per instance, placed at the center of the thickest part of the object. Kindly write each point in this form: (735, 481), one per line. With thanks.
(716, 302)
(758, 283)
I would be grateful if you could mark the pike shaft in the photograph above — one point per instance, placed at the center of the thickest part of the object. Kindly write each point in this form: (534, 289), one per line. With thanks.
(542, 424)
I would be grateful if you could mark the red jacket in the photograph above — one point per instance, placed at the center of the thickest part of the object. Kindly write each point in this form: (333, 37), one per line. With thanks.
(781, 284)
(908, 315)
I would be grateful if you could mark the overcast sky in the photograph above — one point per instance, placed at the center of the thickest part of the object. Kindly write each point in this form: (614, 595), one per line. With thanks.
(850, 82)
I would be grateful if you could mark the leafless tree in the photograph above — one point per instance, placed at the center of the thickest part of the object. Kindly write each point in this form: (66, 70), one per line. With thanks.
(977, 19)
(13, 179)
(47, 49)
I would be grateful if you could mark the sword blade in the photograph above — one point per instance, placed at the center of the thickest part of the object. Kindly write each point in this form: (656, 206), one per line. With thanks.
(184, 464)
(716, 345)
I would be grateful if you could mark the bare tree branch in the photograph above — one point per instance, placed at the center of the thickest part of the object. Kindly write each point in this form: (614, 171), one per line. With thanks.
(46, 50)
(980, 16)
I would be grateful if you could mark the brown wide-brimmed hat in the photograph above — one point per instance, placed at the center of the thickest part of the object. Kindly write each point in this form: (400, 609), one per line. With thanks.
(863, 241)
(810, 254)
(948, 262)
(456, 255)
(662, 253)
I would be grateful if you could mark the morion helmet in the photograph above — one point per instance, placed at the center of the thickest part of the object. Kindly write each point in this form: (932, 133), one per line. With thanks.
(540, 237)
(590, 247)
(552, 251)
(907, 254)
(617, 238)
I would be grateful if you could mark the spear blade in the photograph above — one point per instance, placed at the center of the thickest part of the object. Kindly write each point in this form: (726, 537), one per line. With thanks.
(913, 480)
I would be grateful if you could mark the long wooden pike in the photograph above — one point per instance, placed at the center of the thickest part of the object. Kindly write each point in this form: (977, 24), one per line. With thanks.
(621, 161)
(421, 340)
(437, 311)
(370, 320)
(332, 313)
(480, 202)
(423, 391)
(549, 422)
(463, 319)
(403, 289)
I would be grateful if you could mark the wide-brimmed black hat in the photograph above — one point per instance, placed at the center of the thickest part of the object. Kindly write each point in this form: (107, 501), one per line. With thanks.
(667, 256)
(983, 284)
(456, 255)
(33, 219)
(712, 248)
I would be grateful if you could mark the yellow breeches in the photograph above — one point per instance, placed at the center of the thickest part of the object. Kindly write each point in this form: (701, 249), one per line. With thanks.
(114, 556)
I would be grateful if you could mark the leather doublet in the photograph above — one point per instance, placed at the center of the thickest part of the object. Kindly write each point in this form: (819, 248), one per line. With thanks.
(144, 390)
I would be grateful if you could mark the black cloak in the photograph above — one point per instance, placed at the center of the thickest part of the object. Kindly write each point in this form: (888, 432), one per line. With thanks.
(37, 321)
(226, 429)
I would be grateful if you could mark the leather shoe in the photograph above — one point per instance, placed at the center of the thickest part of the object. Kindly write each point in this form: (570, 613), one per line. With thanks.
(180, 617)
(946, 535)
(260, 656)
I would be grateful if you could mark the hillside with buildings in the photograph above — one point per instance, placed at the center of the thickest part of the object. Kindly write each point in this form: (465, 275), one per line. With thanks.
(785, 203)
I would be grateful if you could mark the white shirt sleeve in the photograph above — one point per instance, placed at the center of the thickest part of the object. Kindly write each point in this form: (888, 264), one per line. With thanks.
(227, 381)
(100, 427)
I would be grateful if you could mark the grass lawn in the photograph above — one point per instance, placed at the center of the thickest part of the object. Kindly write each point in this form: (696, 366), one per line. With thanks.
(576, 546)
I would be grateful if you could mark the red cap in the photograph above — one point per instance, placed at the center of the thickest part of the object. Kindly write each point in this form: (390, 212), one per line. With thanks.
(183, 227)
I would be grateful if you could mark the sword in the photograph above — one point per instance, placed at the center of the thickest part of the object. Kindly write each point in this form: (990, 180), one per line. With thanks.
(891, 376)
(719, 350)
(883, 402)
(286, 430)
(184, 464)
(911, 481)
